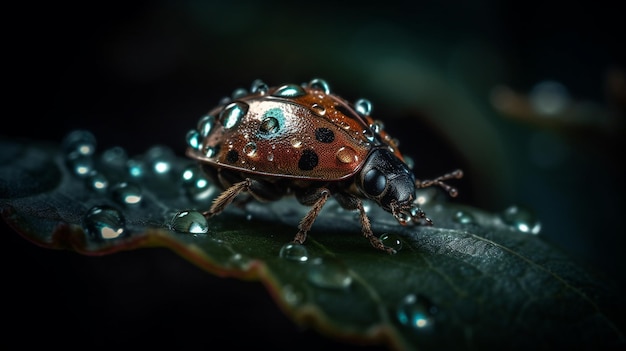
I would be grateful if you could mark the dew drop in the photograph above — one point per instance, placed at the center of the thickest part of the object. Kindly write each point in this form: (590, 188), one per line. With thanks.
(363, 107)
(392, 241)
(377, 126)
(270, 156)
(104, 223)
(126, 193)
(160, 159)
(82, 142)
(417, 312)
(79, 164)
(233, 113)
(136, 168)
(295, 142)
(289, 90)
(463, 217)
(320, 84)
(210, 152)
(258, 86)
(269, 125)
(250, 149)
(346, 154)
(97, 181)
(205, 125)
(239, 93)
(189, 221)
(521, 219)
(329, 273)
(114, 157)
(320, 110)
(197, 185)
(294, 252)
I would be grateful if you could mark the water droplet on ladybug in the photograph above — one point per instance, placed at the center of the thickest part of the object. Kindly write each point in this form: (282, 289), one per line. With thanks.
(320, 110)
(193, 139)
(270, 156)
(290, 91)
(363, 107)
(104, 223)
(377, 126)
(189, 221)
(250, 149)
(233, 113)
(205, 125)
(329, 273)
(294, 252)
(259, 87)
(346, 155)
(320, 84)
(239, 93)
(210, 151)
(269, 125)
(295, 142)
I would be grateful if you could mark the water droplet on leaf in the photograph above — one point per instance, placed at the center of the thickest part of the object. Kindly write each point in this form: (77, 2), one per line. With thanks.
(329, 273)
(104, 223)
(294, 252)
(189, 221)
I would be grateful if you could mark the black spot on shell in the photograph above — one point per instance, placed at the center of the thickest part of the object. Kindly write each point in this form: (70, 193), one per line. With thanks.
(324, 135)
(308, 160)
(232, 156)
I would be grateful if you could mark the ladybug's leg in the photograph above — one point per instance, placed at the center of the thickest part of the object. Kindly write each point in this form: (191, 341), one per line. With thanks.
(227, 196)
(316, 199)
(351, 202)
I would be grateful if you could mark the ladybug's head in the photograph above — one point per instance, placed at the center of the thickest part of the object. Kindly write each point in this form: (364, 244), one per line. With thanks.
(387, 180)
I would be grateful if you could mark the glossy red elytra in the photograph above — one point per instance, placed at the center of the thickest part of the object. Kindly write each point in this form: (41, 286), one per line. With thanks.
(304, 141)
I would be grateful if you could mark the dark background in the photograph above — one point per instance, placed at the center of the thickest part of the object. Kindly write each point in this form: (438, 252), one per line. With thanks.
(138, 74)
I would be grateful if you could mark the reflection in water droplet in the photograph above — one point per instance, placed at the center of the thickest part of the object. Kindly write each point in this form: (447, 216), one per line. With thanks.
(346, 154)
(521, 219)
(97, 181)
(82, 142)
(250, 149)
(416, 312)
(189, 221)
(294, 252)
(233, 113)
(104, 223)
(391, 240)
(329, 273)
(464, 217)
(126, 193)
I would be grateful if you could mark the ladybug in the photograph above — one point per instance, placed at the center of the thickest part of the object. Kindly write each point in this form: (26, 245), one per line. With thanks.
(304, 141)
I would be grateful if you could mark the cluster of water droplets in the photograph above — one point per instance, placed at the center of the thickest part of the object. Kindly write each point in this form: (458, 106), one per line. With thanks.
(124, 180)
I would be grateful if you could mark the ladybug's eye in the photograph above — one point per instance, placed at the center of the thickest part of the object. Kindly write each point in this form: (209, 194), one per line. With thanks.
(374, 182)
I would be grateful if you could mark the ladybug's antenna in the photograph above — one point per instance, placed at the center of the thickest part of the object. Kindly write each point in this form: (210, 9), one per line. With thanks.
(458, 174)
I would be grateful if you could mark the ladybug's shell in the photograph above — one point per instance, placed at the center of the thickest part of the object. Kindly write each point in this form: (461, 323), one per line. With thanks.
(313, 135)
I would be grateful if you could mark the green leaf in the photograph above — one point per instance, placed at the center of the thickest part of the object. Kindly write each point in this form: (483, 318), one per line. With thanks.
(475, 280)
